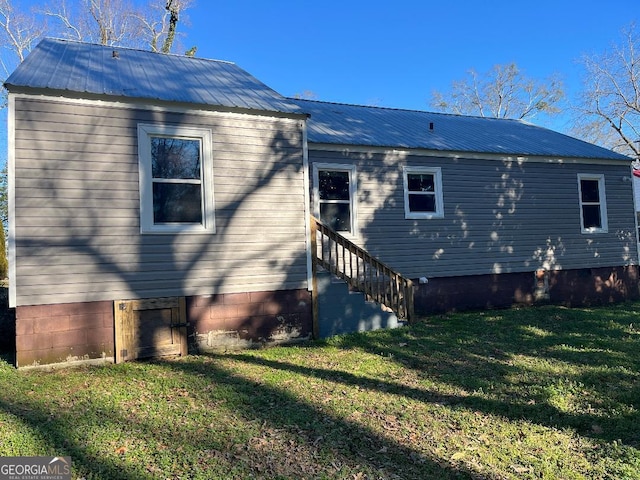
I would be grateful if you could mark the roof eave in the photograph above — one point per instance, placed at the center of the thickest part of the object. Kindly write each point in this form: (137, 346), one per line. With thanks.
(456, 154)
(146, 101)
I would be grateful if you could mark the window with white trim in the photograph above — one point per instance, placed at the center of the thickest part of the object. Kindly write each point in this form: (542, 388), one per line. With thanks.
(334, 194)
(176, 179)
(593, 206)
(423, 192)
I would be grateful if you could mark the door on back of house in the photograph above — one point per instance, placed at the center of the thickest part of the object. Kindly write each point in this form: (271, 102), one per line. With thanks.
(150, 328)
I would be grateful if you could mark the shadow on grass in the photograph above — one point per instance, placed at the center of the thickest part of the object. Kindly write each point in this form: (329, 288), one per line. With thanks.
(321, 435)
(515, 363)
(60, 436)
(286, 437)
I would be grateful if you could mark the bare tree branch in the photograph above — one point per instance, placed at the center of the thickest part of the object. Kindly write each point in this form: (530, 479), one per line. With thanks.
(18, 30)
(107, 22)
(608, 111)
(173, 7)
(503, 92)
(159, 23)
(63, 16)
(119, 22)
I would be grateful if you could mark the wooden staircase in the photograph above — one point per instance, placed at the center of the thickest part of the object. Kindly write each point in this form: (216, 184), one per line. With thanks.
(360, 270)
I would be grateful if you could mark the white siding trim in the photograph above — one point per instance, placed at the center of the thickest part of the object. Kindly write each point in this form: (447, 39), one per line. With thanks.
(11, 198)
(307, 205)
(635, 190)
(147, 226)
(635, 181)
(353, 192)
(437, 174)
(602, 203)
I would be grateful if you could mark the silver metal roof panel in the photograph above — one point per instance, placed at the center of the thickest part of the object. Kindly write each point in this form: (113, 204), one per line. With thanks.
(65, 65)
(101, 70)
(333, 123)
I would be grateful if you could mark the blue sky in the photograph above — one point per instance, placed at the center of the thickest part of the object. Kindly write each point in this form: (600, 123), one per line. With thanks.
(396, 53)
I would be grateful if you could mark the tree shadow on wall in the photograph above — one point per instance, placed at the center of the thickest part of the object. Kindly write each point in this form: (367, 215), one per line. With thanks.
(77, 249)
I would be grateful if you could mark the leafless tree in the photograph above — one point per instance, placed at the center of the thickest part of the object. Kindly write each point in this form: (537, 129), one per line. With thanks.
(161, 22)
(107, 22)
(120, 22)
(608, 112)
(19, 30)
(503, 92)
(129, 23)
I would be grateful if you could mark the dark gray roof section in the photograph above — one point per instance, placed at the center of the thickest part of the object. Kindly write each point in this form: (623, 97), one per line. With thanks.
(341, 124)
(95, 69)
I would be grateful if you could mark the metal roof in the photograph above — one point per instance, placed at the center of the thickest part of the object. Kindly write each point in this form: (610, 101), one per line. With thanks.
(104, 70)
(334, 123)
(84, 68)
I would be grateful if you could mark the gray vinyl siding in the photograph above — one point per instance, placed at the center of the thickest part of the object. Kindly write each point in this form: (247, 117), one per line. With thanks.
(500, 216)
(77, 207)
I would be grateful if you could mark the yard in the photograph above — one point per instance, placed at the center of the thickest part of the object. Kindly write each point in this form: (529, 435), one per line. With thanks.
(544, 392)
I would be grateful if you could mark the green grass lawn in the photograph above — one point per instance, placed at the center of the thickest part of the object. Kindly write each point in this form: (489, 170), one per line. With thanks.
(516, 394)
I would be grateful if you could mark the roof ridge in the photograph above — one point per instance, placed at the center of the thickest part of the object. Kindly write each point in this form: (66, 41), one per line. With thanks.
(413, 110)
(135, 49)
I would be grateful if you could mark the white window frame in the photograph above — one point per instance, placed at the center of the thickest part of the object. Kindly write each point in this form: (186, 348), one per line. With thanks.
(147, 225)
(602, 203)
(437, 180)
(353, 189)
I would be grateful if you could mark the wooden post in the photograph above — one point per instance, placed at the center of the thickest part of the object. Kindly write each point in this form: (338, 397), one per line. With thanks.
(182, 331)
(315, 327)
(122, 327)
(410, 304)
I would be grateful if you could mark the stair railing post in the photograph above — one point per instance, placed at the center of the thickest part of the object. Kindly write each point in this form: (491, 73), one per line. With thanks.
(410, 305)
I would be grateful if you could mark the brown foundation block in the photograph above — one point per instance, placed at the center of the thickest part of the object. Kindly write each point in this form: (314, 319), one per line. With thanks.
(65, 332)
(242, 320)
(571, 288)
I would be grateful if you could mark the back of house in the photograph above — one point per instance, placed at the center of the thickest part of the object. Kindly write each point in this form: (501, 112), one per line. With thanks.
(160, 204)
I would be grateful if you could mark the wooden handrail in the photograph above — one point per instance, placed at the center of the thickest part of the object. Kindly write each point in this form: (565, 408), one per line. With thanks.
(360, 270)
